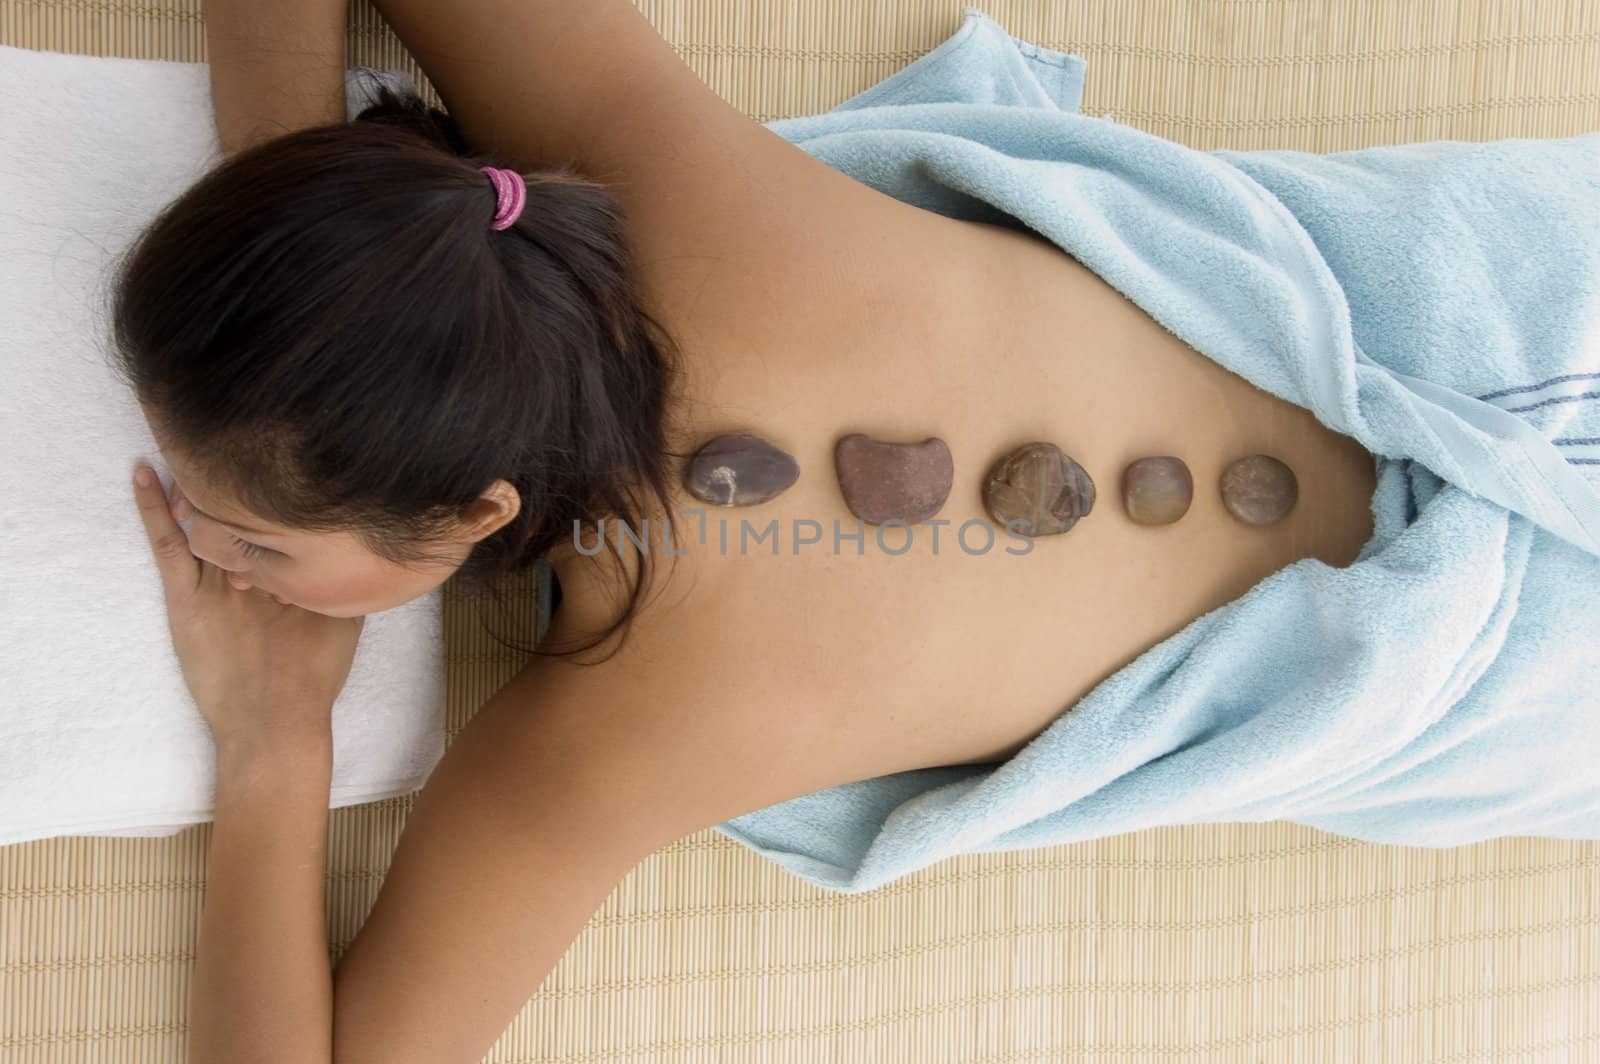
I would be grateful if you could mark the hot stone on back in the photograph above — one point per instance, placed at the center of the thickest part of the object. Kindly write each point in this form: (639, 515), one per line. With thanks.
(739, 469)
(1038, 490)
(883, 481)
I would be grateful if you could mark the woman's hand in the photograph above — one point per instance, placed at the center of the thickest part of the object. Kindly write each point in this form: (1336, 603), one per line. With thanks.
(260, 671)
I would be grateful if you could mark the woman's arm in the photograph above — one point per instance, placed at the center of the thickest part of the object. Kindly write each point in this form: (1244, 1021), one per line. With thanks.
(275, 68)
(558, 787)
(722, 212)
(262, 986)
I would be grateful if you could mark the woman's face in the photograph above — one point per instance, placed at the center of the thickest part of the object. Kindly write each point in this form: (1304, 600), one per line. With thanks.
(330, 573)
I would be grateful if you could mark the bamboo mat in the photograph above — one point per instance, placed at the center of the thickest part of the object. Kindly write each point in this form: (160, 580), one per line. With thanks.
(1249, 943)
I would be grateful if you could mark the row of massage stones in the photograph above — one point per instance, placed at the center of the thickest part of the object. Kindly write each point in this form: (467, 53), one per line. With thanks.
(1033, 490)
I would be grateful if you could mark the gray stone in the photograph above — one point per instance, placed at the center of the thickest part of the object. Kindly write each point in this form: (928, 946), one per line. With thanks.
(884, 481)
(1157, 491)
(1040, 487)
(739, 469)
(1258, 489)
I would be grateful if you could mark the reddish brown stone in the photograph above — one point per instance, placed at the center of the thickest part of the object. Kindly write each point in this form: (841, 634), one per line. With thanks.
(884, 481)
(1157, 491)
(1040, 488)
(1258, 489)
(739, 469)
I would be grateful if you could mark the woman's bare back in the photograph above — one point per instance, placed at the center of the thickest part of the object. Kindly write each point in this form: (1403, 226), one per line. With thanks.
(807, 306)
(749, 679)
(988, 337)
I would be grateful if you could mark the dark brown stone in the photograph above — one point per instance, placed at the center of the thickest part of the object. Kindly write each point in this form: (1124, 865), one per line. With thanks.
(1157, 491)
(738, 469)
(884, 481)
(1258, 489)
(1040, 488)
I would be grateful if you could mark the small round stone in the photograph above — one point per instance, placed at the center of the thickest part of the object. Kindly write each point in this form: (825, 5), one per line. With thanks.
(883, 481)
(739, 469)
(1157, 491)
(1258, 489)
(1040, 488)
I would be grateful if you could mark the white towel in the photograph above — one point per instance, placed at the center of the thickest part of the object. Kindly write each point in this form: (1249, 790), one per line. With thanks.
(98, 732)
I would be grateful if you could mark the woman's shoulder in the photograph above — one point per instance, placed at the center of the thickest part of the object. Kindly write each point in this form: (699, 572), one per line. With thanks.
(692, 685)
(731, 226)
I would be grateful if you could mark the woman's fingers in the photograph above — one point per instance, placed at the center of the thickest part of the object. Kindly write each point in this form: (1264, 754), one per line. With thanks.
(180, 569)
(181, 509)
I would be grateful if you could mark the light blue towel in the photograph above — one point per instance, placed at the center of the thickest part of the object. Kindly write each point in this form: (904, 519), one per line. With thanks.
(1440, 303)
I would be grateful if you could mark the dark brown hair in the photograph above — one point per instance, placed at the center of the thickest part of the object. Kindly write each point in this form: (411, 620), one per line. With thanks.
(328, 325)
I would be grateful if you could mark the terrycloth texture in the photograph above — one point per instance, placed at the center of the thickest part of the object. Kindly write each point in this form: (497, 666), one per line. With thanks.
(1438, 302)
(98, 733)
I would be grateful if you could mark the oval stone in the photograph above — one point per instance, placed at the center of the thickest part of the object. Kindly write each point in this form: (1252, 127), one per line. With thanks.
(1157, 491)
(739, 469)
(1258, 489)
(884, 481)
(1039, 487)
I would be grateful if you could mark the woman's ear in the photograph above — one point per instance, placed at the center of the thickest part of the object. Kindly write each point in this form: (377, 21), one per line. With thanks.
(493, 510)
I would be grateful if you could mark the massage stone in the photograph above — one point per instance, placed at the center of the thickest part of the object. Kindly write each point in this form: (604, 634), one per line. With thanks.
(738, 469)
(1258, 489)
(1040, 487)
(1157, 491)
(884, 481)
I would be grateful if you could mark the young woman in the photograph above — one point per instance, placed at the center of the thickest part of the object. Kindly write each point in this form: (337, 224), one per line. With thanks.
(364, 388)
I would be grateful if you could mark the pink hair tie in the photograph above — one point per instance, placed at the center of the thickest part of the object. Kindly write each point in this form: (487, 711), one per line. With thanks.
(510, 191)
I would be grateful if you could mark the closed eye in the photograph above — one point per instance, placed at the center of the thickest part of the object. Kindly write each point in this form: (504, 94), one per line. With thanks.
(251, 550)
